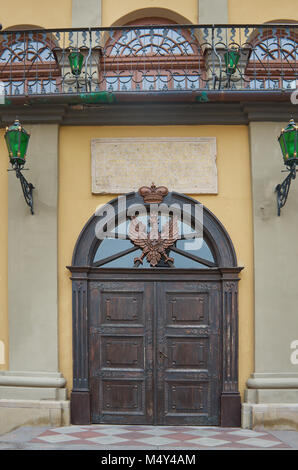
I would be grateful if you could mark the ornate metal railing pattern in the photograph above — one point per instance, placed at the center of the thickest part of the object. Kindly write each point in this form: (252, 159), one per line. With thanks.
(150, 59)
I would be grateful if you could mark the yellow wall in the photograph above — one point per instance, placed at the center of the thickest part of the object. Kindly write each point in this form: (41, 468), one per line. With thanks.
(232, 206)
(57, 13)
(128, 10)
(45, 14)
(4, 164)
(262, 11)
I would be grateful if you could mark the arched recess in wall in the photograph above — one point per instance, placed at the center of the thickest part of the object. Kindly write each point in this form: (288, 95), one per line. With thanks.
(28, 64)
(152, 54)
(125, 296)
(139, 15)
(272, 56)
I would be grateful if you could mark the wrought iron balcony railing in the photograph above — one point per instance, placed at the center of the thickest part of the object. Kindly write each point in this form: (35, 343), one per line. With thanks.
(149, 59)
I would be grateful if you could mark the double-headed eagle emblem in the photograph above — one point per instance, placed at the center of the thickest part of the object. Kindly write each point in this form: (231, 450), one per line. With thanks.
(155, 243)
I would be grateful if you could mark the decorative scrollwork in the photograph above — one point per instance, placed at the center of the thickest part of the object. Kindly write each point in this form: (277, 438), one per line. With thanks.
(27, 188)
(149, 58)
(229, 286)
(282, 190)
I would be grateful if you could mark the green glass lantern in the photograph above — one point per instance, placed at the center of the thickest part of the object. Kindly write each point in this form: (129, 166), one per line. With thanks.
(17, 139)
(76, 62)
(231, 58)
(288, 143)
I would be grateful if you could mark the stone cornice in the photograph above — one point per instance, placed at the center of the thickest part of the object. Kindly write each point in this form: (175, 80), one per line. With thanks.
(222, 108)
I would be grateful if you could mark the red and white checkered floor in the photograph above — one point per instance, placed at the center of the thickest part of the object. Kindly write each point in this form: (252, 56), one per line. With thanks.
(169, 437)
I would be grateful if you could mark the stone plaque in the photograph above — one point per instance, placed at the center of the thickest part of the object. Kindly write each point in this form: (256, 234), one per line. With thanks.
(185, 165)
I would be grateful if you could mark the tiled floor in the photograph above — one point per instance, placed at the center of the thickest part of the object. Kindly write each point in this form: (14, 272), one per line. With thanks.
(161, 437)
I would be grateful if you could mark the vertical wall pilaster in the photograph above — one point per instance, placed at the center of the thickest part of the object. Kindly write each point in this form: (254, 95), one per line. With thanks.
(86, 13)
(32, 257)
(274, 384)
(275, 254)
(80, 396)
(32, 275)
(213, 12)
(230, 398)
(80, 335)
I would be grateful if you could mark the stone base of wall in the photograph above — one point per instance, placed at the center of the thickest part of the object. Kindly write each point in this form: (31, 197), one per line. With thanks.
(16, 413)
(270, 416)
(263, 396)
(271, 402)
(32, 385)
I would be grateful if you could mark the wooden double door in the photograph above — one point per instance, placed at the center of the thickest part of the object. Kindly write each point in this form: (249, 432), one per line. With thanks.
(155, 352)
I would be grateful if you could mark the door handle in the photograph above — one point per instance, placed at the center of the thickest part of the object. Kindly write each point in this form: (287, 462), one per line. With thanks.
(162, 355)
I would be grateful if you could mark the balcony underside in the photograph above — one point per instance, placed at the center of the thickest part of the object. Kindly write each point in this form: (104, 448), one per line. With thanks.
(157, 108)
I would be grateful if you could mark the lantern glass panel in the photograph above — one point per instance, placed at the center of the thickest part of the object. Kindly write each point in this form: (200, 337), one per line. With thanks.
(283, 146)
(288, 142)
(17, 140)
(76, 62)
(231, 60)
(290, 138)
(24, 140)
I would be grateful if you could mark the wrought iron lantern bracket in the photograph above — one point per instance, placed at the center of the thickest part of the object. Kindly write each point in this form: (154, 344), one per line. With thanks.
(27, 188)
(282, 190)
(288, 143)
(17, 139)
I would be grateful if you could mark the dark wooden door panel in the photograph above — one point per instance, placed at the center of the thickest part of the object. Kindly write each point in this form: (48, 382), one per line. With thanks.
(121, 352)
(187, 308)
(122, 307)
(154, 350)
(188, 400)
(187, 353)
(123, 397)
(188, 364)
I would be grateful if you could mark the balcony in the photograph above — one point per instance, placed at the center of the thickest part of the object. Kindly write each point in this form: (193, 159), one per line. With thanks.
(165, 64)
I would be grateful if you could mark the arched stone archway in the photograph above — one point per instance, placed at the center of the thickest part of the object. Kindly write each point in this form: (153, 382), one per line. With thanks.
(157, 345)
(143, 13)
